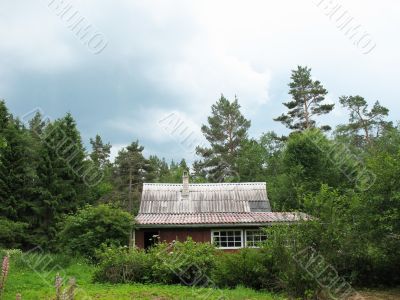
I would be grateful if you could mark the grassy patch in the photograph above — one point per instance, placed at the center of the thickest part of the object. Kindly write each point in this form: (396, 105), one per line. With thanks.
(40, 285)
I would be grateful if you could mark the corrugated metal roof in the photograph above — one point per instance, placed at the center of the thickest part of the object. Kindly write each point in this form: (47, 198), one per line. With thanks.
(162, 198)
(220, 218)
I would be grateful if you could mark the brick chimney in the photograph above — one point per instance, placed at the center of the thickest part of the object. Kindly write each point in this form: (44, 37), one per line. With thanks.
(185, 179)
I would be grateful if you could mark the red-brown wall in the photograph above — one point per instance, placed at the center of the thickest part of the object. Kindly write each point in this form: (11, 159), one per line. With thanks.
(169, 235)
(174, 234)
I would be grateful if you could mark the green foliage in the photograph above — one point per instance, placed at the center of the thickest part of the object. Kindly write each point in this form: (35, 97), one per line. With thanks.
(283, 245)
(39, 284)
(358, 241)
(252, 161)
(39, 260)
(248, 267)
(364, 126)
(12, 234)
(307, 161)
(83, 232)
(226, 130)
(182, 262)
(307, 97)
(100, 152)
(123, 265)
(130, 170)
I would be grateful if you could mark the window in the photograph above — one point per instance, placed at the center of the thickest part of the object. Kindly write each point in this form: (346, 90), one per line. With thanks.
(227, 238)
(255, 237)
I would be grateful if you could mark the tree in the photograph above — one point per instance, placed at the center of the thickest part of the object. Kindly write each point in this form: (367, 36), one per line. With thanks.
(252, 161)
(226, 129)
(12, 234)
(4, 117)
(131, 169)
(307, 97)
(158, 168)
(364, 125)
(175, 172)
(84, 232)
(60, 188)
(100, 152)
(308, 160)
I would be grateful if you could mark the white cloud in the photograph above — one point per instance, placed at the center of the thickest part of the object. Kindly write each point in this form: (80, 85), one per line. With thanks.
(115, 149)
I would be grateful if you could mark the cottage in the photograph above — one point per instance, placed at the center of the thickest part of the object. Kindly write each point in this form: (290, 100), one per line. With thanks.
(229, 215)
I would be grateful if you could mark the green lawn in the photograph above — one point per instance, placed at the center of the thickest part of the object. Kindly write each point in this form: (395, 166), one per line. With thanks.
(40, 285)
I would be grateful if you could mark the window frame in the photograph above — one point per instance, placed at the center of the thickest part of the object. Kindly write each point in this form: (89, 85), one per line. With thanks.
(242, 241)
(245, 237)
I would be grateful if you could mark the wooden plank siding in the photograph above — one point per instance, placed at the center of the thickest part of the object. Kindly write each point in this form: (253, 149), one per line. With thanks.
(201, 235)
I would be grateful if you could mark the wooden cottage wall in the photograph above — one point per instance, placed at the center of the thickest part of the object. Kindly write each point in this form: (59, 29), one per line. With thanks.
(179, 234)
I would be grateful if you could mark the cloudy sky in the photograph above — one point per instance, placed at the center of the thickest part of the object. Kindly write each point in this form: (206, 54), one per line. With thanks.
(175, 58)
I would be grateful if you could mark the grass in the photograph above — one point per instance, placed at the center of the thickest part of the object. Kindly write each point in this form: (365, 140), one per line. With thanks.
(40, 285)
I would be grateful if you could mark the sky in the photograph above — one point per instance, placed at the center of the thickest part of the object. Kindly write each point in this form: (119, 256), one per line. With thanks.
(151, 65)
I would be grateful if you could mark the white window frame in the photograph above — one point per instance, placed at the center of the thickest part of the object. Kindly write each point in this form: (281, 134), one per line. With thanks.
(245, 237)
(242, 241)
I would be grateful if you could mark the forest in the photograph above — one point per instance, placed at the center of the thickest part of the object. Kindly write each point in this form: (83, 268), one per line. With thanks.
(346, 177)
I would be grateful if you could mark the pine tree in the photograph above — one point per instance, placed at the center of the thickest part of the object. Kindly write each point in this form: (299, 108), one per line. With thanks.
(364, 125)
(307, 97)
(226, 129)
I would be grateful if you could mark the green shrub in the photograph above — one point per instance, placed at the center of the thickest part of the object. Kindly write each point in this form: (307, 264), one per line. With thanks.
(187, 263)
(11, 233)
(247, 267)
(288, 247)
(82, 233)
(122, 265)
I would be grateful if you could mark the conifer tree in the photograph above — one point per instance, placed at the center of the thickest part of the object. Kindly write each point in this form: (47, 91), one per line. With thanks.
(130, 172)
(306, 103)
(364, 125)
(100, 152)
(226, 129)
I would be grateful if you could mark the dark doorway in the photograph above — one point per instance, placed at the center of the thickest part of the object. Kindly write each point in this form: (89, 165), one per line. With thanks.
(150, 238)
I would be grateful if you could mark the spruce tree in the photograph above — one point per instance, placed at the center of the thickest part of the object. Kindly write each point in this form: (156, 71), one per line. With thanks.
(17, 171)
(131, 168)
(100, 152)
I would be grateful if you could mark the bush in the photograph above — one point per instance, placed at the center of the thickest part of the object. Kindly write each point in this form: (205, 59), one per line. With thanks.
(248, 267)
(289, 248)
(82, 233)
(187, 263)
(11, 233)
(122, 265)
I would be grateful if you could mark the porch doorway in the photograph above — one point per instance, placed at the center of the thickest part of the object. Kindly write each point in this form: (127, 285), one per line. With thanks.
(150, 238)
